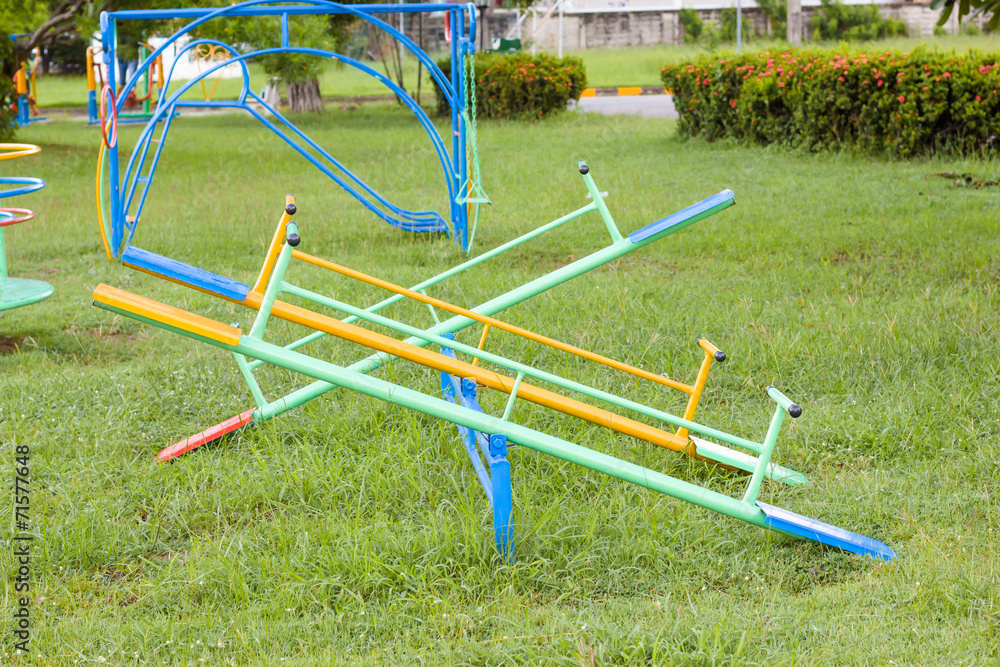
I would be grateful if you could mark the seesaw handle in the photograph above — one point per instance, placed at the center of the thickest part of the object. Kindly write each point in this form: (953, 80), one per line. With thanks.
(291, 229)
(718, 354)
(785, 402)
(292, 234)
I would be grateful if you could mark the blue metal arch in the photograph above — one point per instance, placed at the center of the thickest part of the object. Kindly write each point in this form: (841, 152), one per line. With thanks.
(453, 92)
(412, 220)
(415, 50)
(417, 221)
(194, 44)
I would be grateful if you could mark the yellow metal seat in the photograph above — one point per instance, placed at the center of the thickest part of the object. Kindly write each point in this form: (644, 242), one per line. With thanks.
(118, 299)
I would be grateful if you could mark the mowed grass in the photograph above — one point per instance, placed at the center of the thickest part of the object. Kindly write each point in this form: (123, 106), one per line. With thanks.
(633, 66)
(336, 80)
(352, 532)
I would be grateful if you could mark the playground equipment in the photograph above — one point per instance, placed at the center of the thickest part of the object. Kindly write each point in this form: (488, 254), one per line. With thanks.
(130, 183)
(208, 54)
(460, 379)
(26, 111)
(17, 292)
(151, 82)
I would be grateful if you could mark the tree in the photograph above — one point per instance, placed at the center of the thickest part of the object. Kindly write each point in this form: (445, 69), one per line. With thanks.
(7, 93)
(776, 12)
(36, 23)
(299, 73)
(969, 9)
(41, 23)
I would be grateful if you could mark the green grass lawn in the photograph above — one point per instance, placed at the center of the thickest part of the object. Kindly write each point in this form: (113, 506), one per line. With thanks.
(336, 81)
(638, 66)
(352, 532)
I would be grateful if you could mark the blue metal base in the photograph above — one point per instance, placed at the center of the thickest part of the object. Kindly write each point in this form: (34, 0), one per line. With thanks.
(496, 482)
(811, 529)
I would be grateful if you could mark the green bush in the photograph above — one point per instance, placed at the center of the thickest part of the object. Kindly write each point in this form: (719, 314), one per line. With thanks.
(8, 94)
(902, 105)
(777, 13)
(692, 23)
(520, 85)
(835, 20)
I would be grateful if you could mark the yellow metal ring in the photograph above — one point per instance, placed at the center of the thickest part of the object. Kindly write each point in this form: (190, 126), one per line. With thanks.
(14, 151)
(100, 203)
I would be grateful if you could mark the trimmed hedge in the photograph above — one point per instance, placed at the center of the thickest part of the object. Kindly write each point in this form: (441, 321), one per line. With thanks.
(903, 105)
(520, 85)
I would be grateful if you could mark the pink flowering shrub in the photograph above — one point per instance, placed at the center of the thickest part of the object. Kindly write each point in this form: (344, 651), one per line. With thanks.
(520, 85)
(877, 102)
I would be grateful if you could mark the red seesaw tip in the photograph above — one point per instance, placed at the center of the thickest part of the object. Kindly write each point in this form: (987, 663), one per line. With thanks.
(208, 435)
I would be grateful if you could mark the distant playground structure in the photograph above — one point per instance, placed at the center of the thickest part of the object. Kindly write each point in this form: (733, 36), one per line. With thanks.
(26, 92)
(129, 181)
(17, 292)
(151, 80)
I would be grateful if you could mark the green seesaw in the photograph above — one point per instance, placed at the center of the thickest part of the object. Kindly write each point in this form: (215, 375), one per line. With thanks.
(487, 438)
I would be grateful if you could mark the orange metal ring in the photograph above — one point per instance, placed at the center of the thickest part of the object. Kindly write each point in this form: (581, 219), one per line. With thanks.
(23, 212)
(105, 93)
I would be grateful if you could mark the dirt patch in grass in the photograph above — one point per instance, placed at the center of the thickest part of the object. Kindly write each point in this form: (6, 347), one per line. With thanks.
(966, 180)
(10, 344)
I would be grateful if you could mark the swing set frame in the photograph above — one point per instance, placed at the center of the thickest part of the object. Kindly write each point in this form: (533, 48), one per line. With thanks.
(130, 180)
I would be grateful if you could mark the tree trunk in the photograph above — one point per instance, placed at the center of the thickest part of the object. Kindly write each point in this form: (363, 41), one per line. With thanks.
(305, 96)
(795, 22)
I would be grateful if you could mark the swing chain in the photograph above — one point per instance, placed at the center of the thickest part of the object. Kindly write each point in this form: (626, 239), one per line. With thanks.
(472, 190)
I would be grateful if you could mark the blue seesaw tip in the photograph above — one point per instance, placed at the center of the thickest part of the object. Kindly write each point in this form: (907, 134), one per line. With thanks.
(811, 529)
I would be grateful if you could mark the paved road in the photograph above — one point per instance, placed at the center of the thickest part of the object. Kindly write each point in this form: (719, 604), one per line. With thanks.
(648, 106)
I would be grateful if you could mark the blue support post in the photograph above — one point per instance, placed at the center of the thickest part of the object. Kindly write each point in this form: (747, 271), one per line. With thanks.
(92, 117)
(502, 501)
(463, 393)
(457, 84)
(461, 224)
(109, 41)
(496, 483)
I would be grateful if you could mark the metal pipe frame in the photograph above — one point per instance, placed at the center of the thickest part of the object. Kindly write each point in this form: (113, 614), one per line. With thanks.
(486, 438)
(744, 509)
(124, 219)
(417, 338)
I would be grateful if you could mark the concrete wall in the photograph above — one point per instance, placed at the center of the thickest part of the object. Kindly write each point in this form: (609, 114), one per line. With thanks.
(588, 24)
